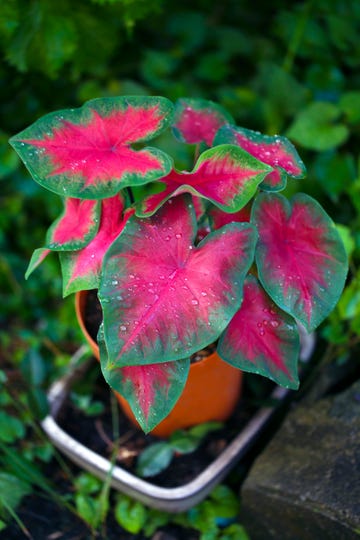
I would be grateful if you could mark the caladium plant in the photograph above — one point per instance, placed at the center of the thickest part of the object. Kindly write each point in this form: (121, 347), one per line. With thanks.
(211, 255)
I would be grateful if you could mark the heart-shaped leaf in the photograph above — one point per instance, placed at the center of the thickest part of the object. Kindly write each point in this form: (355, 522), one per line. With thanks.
(315, 127)
(162, 298)
(81, 269)
(86, 153)
(76, 226)
(154, 459)
(197, 120)
(226, 175)
(301, 259)
(261, 338)
(274, 150)
(150, 390)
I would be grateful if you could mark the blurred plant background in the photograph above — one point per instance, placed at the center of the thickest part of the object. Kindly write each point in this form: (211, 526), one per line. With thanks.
(290, 68)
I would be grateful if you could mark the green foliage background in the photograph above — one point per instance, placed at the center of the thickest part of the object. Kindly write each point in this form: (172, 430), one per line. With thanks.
(281, 67)
(289, 68)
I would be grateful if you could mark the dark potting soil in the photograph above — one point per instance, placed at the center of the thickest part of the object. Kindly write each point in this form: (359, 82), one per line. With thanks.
(97, 433)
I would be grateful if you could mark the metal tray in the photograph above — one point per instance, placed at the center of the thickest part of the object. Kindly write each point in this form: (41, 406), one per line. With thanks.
(175, 499)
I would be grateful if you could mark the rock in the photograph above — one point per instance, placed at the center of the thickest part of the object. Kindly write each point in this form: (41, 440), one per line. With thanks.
(306, 483)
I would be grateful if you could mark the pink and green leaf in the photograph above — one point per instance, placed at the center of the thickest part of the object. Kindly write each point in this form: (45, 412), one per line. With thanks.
(261, 338)
(226, 175)
(151, 390)
(301, 260)
(36, 259)
(198, 120)
(77, 225)
(276, 151)
(81, 269)
(86, 153)
(163, 299)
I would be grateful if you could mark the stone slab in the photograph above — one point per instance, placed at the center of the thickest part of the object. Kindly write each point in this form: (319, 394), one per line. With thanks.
(306, 483)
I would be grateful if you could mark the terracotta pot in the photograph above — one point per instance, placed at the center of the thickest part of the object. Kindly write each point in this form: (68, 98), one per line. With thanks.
(211, 392)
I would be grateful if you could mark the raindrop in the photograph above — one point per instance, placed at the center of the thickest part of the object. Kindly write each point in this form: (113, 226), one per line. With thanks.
(178, 235)
(123, 328)
(194, 302)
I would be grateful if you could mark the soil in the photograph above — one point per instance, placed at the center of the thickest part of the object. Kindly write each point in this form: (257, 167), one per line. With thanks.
(98, 434)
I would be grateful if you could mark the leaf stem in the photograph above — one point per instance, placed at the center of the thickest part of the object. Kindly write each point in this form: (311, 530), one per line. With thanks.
(130, 194)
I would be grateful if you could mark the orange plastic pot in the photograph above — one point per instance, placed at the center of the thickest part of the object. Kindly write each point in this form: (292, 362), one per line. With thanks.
(211, 391)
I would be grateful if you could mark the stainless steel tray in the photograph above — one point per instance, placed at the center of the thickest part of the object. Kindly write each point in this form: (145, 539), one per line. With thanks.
(175, 499)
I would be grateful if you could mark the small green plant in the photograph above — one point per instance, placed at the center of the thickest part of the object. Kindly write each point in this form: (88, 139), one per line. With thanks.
(24, 448)
(12, 491)
(91, 500)
(157, 456)
(215, 518)
(87, 404)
